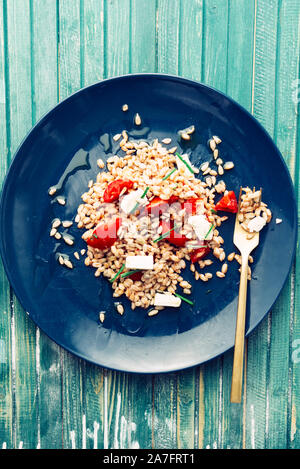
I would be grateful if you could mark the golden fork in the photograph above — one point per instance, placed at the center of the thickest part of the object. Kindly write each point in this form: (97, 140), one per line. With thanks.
(245, 245)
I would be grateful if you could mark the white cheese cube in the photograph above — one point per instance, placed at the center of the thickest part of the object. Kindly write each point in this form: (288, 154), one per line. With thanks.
(130, 200)
(201, 226)
(256, 224)
(166, 299)
(139, 262)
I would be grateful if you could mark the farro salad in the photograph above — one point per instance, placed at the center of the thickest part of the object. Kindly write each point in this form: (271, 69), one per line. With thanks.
(150, 214)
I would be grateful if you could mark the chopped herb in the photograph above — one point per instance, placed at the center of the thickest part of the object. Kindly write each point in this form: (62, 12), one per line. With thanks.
(138, 204)
(170, 174)
(183, 161)
(184, 299)
(117, 274)
(126, 274)
(145, 192)
(213, 211)
(211, 227)
(165, 234)
(94, 236)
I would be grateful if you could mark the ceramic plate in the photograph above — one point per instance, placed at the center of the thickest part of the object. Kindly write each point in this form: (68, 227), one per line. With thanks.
(63, 148)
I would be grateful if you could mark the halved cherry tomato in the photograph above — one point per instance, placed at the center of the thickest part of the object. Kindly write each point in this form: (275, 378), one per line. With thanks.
(228, 203)
(190, 205)
(173, 237)
(136, 276)
(105, 234)
(114, 189)
(158, 206)
(199, 253)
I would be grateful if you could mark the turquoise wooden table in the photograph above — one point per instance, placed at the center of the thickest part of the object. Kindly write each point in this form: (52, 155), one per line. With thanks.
(248, 49)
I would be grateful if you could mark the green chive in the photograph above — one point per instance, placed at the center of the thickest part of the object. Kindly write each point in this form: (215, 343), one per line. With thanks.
(145, 192)
(137, 204)
(130, 273)
(165, 234)
(211, 227)
(117, 275)
(170, 174)
(184, 299)
(186, 164)
(213, 211)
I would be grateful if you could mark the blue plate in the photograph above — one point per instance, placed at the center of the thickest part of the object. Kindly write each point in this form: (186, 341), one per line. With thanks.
(63, 149)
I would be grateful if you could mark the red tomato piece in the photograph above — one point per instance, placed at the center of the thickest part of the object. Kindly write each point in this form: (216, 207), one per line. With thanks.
(173, 237)
(158, 206)
(105, 234)
(136, 276)
(114, 189)
(199, 253)
(190, 205)
(228, 203)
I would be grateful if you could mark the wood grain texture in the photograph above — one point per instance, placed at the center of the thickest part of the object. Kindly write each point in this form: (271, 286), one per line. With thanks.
(246, 48)
(214, 73)
(6, 398)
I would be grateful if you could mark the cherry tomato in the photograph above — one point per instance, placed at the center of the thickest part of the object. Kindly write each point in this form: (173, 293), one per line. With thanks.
(158, 206)
(105, 234)
(136, 276)
(190, 205)
(228, 203)
(114, 189)
(199, 253)
(173, 237)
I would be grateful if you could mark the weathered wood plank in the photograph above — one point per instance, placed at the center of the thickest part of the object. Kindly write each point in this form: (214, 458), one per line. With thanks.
(117, 37)
(70, 80)
(189, 66)
(143, 36)
(45, 96)
(23, 330)
(92, 34)
(262, 108)
(168, 26)
(284, 314)
(142, 59)
(214, 73)
(165, 386)
(191, 38)
(92, 70)
(6, 397)
(241, 18)
(125, 424)
(70, 72)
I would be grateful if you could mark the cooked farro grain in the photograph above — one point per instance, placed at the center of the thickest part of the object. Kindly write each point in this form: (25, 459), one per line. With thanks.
(68, 263)
(56, 223)
(253, 213)
(61, 200)
(52, 190)
(101, 316)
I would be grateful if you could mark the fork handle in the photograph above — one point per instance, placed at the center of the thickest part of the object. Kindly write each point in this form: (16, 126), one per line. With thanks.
(238, 357)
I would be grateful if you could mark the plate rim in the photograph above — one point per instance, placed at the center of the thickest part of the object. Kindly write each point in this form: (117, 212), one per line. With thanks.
(178, 79)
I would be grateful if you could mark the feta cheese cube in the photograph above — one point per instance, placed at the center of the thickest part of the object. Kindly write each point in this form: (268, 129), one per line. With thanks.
(256, 224)
(201, 226)
(139, 262)
(166, 299)
(130, 200)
